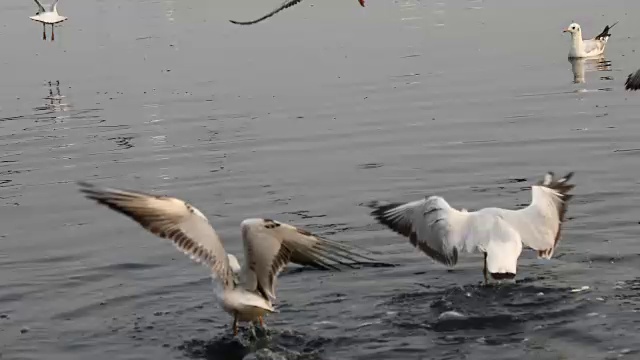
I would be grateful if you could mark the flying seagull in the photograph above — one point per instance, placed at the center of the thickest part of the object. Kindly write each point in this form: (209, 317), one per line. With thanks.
(586, 48)
(246, 293)
(286, 4)
(48, 17)
(441, 231)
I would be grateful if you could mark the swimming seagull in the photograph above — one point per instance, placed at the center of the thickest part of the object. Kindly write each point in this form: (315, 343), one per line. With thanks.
(286, 4)
(48, 17)
(441, 231)
(633, 81)
(586, 48)
(244, 292)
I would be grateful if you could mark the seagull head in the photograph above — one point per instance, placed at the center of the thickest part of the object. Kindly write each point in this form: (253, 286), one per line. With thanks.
(573, 29)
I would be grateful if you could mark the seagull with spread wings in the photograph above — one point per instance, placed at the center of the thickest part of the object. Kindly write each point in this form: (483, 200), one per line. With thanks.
(441, 231)
(50, 16)
(244, 292)
(285, 5)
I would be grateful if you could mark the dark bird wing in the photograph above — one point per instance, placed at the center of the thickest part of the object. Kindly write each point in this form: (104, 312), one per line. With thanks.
(633, 81)
(285, 5)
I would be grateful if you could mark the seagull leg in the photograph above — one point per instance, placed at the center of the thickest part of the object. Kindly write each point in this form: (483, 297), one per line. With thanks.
(264, 326)
(235, 325)
(485, 271)
(44, 31)
(52, 36)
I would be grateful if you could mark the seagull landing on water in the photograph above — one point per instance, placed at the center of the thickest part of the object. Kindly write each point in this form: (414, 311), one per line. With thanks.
(244, 292)
(441, 231)
(586, 48)
(48, 17)
(286, 4)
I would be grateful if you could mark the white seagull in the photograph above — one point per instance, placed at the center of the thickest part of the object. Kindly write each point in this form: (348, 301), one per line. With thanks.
(441, 231)
(586, 48)
(246, 293)
(48, 17)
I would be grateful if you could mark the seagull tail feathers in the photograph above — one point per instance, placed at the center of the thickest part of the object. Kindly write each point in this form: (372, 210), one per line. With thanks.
(605, 35)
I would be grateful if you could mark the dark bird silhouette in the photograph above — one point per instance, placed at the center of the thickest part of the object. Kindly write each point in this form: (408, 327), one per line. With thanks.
(286, 4)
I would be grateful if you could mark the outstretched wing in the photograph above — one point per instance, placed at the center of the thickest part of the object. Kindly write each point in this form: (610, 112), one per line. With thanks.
(270, 245)
(169, 218)
(431, 225)
(540, 223)
(286, 4)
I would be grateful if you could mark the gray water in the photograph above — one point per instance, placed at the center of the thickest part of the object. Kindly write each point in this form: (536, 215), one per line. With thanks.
(303, 118)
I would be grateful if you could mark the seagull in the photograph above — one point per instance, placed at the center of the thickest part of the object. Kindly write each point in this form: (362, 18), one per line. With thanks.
(633, 81)
(286, 4)
(586, 48)
(48, 17)
(246, 293)
(441, 231)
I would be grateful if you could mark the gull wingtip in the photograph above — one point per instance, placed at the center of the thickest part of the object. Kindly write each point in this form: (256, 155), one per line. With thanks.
(86, 188)
(568, 176)
(84, 184)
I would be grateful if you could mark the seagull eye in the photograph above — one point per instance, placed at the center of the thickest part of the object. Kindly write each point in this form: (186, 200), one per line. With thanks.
(573, 28)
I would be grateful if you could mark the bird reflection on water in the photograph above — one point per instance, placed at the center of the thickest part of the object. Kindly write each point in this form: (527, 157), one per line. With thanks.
(580, 66)
(54, 103)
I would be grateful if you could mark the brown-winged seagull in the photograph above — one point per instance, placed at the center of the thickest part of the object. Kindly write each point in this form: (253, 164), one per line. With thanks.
(246, 293)
(441, 231)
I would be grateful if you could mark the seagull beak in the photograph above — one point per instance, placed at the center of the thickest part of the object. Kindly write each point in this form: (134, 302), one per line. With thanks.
(566, 30)
(361, 2)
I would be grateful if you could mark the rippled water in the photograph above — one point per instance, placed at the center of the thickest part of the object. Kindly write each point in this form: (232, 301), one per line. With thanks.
(303, 118)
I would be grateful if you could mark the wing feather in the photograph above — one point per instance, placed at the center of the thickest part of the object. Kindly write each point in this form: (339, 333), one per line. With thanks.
(430, 224)
(540, 223)
(270, 245)
(169, 218)
(286, 4)
(594, 46)
(633, 81)
(605, 35)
